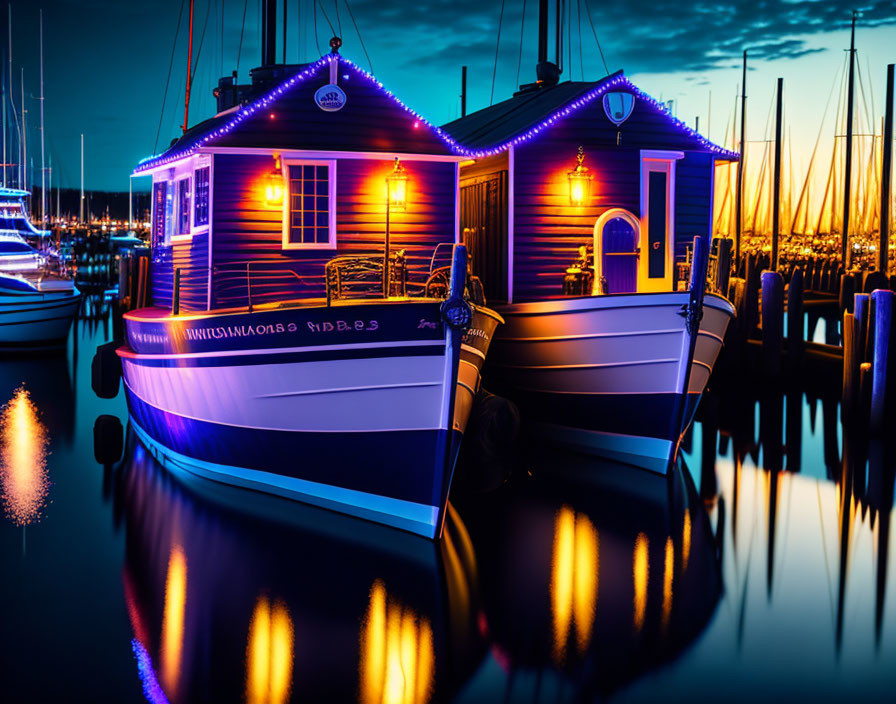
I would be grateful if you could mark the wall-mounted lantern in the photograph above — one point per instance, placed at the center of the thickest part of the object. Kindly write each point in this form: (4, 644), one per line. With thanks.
(397, 188)
(580, 181)
(273, 192)
(396, 201)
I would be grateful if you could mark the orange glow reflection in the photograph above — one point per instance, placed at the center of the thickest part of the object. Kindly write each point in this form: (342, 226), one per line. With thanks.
(397, 657)
(668, 575)
(269, 654)
(640, 575)
(23, 471)
(686, 540)
(574, 580)
(173, 619)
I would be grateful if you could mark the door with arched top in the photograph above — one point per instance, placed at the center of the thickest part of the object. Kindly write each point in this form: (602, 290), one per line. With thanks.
(616, 237)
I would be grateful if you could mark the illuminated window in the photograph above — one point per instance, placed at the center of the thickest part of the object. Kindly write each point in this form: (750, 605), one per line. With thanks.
(183, 206)
(159, 211)
(200, 198)
(310, 210)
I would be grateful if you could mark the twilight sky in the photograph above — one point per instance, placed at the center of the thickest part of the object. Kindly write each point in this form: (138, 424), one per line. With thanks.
(106, 61)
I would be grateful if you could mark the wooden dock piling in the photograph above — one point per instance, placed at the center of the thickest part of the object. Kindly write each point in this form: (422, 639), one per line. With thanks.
(881, 385)
(751, 296)
(847, 291)
(861, 306)
(772, 322)
(851, 365)
(723, 268)
(795, 322)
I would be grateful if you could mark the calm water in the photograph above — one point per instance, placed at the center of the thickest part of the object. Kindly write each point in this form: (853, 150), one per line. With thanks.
(762, 568)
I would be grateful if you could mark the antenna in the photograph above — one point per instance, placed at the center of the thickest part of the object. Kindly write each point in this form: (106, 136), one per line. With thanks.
(189, 71)
(43, 170)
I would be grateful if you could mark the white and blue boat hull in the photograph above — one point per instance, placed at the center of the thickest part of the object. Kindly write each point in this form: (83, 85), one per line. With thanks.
(33, 319)
(370, 426)
(606, 373)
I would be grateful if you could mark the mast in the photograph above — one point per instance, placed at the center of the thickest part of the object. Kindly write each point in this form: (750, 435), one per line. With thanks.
(844, 237)
(463, 91)
(542, 31)
(776, 196)
(130, 203)
(9, 86)
(886, 190)
(268, 32)
(24, 134)
(546, 72)
(81, 202)
(3, 92)
(189, 71)
(43, 172)
(738, 215)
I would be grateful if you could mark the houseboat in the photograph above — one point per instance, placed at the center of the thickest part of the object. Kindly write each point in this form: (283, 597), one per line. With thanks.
(38, 298)
(305, 332)
(578, 204)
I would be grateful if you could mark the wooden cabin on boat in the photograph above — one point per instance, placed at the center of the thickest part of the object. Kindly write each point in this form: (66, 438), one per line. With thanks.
(294, 170)
(560, 166)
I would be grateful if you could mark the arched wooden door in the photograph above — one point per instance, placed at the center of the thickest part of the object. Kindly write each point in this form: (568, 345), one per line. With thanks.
(616, 237)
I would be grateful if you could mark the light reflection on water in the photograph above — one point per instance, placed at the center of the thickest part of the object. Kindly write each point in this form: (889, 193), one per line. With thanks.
(397, 658)
(269, 653)
(23, 460)
(763, 566)
(574, 580)
(284, 601)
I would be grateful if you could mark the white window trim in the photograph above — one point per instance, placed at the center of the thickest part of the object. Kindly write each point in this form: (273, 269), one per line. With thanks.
(331, 193)
(170, 192)
(176, 183)
(662, 162)
(201, 163)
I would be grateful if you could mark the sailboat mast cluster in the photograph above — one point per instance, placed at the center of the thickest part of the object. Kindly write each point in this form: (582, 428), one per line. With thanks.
(841, 207)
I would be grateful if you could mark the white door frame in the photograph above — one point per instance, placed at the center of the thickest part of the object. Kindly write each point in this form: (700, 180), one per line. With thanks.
(660, 161)
(598, 246)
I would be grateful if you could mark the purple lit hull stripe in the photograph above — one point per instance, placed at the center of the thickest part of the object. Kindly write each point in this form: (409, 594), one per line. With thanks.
(405, 465)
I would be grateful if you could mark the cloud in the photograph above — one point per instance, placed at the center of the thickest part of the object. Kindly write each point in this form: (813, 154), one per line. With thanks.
(637, 35)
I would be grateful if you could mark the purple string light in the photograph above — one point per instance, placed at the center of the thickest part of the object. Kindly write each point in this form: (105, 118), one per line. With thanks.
(453, 145)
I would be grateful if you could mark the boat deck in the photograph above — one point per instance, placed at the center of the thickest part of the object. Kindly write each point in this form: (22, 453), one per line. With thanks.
(157, 313)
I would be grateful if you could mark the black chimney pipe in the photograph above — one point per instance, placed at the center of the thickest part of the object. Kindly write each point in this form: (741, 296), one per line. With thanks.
(547, 73)
(269, 33)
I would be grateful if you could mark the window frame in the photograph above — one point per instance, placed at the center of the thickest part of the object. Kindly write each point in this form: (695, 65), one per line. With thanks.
(330, 244)
(177, 235)
(204, 163)
(155, 216)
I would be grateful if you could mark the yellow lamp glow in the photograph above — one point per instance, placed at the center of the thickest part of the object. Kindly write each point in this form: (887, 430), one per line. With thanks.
(397, 188)
(273, 192)
(580, 181)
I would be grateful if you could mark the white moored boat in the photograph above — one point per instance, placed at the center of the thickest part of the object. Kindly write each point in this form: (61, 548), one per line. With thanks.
(300, 335)
(607, 372)
(38, 299)
(603, 350)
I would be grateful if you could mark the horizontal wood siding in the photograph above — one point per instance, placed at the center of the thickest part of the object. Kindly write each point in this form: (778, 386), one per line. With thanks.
(369, 121)
(428, 221)
(693, 199)
(191, 257)
(548, 230)
(247, 229)
(161, 276)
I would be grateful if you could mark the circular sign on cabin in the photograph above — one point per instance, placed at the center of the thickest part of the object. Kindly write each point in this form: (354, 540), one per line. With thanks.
(330, 98)
(618, 106)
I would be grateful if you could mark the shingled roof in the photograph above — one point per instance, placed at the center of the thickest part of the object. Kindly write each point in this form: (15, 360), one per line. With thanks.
(218, 128)
(528, 112)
